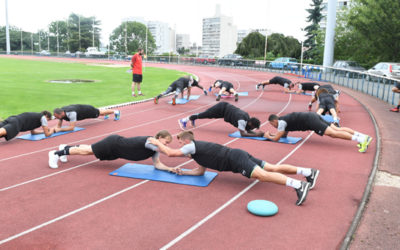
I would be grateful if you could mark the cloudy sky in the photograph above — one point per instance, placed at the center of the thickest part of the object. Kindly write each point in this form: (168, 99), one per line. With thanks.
(283, 16)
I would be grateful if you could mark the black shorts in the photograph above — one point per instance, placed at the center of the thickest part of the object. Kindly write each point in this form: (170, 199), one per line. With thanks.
(242, 162)
(317, 124)
(103, 149)
(216, 111)
(326, 103)
(11, 125)
(137, 78)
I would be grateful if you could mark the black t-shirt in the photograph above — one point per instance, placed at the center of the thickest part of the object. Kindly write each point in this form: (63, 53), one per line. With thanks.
(308, 86)
(27, 121)
(279, 80)
(83, 111)
(115, 146)
(233, 114)
(212, 155)
(299, 121)
(330, 89)
(183, 82)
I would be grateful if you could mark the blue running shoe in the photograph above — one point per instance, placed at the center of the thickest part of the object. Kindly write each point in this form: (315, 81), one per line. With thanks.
(117, 115)
(106, 117)
(182, 124)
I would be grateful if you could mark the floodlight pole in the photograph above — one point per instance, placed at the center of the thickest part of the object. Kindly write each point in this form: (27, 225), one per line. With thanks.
(7, 30)
(31, 43)
(330, 34)
(22, 44)
(58, 44)
(48, 41)
(79, 29)
(93, 33)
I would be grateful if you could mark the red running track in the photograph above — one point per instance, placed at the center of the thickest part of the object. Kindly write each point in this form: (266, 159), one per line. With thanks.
(79, 206)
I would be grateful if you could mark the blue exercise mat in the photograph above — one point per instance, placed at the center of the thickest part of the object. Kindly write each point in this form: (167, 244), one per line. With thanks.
(39, 137)
(287, 140)
(239, 93)
(329, 118)
(262, 208)
(184, 100)
(148, 172)
(304, 93)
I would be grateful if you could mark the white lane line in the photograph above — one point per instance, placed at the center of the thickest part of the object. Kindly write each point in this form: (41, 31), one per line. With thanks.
(109, 133)
(198, 224)
(59, 172)
(47, 176)
(215, 212)
(101, 200)
(71, 213)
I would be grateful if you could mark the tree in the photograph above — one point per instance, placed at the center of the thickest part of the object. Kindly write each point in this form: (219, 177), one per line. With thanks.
(370, 32)
(80, 32)
(312, 30)
(253, 46)
(15, 39)
(135, 34)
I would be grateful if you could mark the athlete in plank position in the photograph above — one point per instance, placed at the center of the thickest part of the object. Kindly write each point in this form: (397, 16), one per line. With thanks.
(285, 83)
(232, 114)
(302, 121)
(77, 112)
(179, 86)
(114, 147)
(225, 88)
(302, 87)
(222, 158)
(28, 121)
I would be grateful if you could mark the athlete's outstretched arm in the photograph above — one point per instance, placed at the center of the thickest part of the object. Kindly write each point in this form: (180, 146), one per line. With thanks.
(274, 137)
(196, 171)
(170, 152)
(159, 165)
(244, 133)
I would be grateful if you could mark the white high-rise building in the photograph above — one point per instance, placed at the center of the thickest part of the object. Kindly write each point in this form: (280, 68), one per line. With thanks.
(182, 41)
(219, 35)
(163, 35)
(342, 5)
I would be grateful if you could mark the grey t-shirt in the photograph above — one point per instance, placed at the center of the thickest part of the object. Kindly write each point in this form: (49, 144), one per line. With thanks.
(282, 125)
(153, 147)
(242, 125)
(72, 116)
(188, 149)
(43, 121)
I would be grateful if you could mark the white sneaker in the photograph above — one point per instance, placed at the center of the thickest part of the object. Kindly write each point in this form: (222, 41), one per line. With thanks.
(63, 158)
(53, 159)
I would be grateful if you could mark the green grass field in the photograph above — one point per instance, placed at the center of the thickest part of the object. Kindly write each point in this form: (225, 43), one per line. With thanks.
(24, 86)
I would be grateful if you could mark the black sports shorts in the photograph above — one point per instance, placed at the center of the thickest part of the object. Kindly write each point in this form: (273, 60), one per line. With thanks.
(242, 162)
(137, 78)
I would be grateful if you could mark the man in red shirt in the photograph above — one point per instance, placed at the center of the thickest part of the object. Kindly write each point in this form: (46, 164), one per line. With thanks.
(137, 76)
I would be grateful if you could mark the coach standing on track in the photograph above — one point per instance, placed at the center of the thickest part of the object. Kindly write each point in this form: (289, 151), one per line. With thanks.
(137, 76)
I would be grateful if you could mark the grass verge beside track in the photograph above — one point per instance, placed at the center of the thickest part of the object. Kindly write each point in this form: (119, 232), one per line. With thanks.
(24, 85)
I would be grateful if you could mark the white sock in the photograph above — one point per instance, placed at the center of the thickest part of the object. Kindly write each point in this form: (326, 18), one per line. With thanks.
(290, 182)
(304, 171)
(186, 119)
(139, 92)
(359, 138)
(133, 92)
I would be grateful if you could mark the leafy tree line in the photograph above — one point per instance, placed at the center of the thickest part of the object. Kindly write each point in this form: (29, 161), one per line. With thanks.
(278, 45)
(77, 33)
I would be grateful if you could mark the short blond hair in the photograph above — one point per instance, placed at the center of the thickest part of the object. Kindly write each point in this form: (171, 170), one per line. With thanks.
(163, 134)
(186, 135)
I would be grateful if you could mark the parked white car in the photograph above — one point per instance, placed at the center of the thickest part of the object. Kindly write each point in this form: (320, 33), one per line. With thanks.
(93, 51)
(385, 69)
